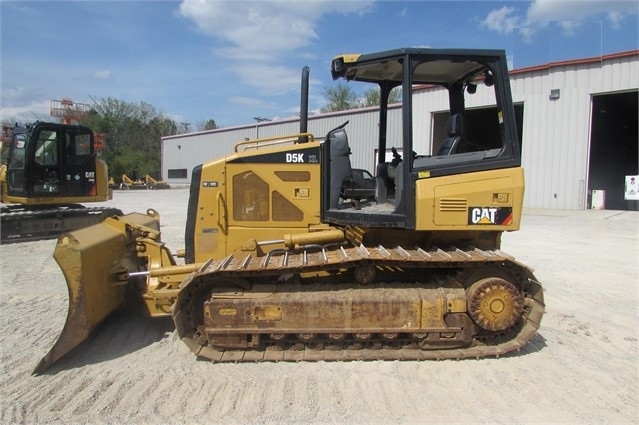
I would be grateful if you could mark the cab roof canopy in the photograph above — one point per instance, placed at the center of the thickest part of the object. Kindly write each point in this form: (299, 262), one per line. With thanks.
(436, 66)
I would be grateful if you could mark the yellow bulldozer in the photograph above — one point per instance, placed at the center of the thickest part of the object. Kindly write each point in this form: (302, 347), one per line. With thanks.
(277, 269)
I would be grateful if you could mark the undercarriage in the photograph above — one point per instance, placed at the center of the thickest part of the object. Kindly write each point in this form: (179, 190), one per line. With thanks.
(22, 224)
(357, 303)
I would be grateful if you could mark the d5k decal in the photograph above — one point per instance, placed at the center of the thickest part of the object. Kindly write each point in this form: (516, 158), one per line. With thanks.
(502, 216)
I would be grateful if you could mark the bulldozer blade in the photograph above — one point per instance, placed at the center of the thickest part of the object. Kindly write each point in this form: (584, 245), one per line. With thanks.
(96, 262)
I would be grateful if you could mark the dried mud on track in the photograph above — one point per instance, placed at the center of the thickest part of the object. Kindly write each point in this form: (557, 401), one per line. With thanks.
(580, 368)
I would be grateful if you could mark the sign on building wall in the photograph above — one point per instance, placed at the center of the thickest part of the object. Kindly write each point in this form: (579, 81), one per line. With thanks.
(631, 192)
(598, 199)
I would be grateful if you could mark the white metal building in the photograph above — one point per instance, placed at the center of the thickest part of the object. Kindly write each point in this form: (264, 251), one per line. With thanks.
(578, 129)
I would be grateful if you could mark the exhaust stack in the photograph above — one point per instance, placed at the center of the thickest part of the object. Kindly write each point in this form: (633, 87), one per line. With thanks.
(304, 103)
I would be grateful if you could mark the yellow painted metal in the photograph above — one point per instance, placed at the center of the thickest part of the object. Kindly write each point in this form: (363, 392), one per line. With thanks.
(237, 201)
(442, 203)
(438, 303)
(349, 58)
(270, 141)
(299, 239)
(163, 278)
(334, 308)
(96, 262)
(3, 183)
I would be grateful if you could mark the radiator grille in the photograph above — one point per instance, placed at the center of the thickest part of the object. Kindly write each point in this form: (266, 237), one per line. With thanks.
(293, 176)
(284, 210)
(453, 205)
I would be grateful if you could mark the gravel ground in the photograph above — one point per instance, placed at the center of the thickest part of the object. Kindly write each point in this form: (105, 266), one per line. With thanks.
(581, 367)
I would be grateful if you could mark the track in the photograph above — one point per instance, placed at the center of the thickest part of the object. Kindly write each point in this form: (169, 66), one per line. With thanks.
(24, 225)
(459, 338)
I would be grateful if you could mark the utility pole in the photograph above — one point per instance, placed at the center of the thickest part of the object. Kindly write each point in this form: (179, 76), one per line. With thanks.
(257, 126)
(186, 126)
(260, 119)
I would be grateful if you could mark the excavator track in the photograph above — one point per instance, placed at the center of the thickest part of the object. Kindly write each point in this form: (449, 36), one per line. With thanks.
(461, 327)
(26, 225)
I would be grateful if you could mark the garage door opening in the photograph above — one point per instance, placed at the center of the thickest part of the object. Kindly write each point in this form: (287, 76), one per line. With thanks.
(613, 150)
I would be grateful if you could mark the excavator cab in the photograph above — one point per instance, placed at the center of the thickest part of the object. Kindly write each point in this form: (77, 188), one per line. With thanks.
(50, 161)
(51, 169)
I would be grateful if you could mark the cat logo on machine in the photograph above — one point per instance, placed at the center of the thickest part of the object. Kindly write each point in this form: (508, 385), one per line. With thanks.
(502, 216)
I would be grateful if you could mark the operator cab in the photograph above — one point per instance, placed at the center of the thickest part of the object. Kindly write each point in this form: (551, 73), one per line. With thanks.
(477, 133)
(51, 160)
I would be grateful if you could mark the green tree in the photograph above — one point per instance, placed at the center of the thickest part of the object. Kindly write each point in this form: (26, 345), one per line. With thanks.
(206, 125)
(340, 98)
(132, 134)
(210, 125)
(372, 96)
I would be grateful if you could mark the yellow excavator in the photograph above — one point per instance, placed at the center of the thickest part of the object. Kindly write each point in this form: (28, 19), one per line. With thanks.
(277, 269)
(51, 170)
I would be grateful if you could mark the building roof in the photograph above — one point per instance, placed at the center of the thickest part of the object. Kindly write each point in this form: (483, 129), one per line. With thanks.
(580, 61)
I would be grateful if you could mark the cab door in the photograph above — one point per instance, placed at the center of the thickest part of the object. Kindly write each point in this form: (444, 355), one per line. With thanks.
(43, 168)
(16, 165)
(77, 162)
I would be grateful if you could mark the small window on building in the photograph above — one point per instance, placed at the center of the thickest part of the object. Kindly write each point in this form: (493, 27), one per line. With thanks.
(177, 173)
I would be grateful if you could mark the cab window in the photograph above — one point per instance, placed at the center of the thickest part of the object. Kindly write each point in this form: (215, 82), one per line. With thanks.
(46, 153)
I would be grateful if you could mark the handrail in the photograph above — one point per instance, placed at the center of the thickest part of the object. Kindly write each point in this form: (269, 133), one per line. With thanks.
(260, 143)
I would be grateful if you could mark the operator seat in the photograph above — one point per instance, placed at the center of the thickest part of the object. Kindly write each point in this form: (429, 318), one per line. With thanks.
(454, 130)
(381, 188)
(340, 163)
(450, 146)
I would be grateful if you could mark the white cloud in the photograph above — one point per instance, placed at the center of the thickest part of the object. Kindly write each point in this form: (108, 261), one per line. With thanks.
(246, 101)
(502, 20)
(270, 79)
(37, 110)
(256, 39)
(569, 14)
(263, 30)
(527, 33)
(615, 18)
(543, 11)
(12, 94)
(569, 28)
(102, 74)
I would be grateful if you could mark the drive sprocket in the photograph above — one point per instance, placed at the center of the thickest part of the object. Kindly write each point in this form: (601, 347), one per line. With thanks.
(494, 303)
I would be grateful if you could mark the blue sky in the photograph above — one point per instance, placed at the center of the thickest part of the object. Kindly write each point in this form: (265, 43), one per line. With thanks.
(234, 60)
